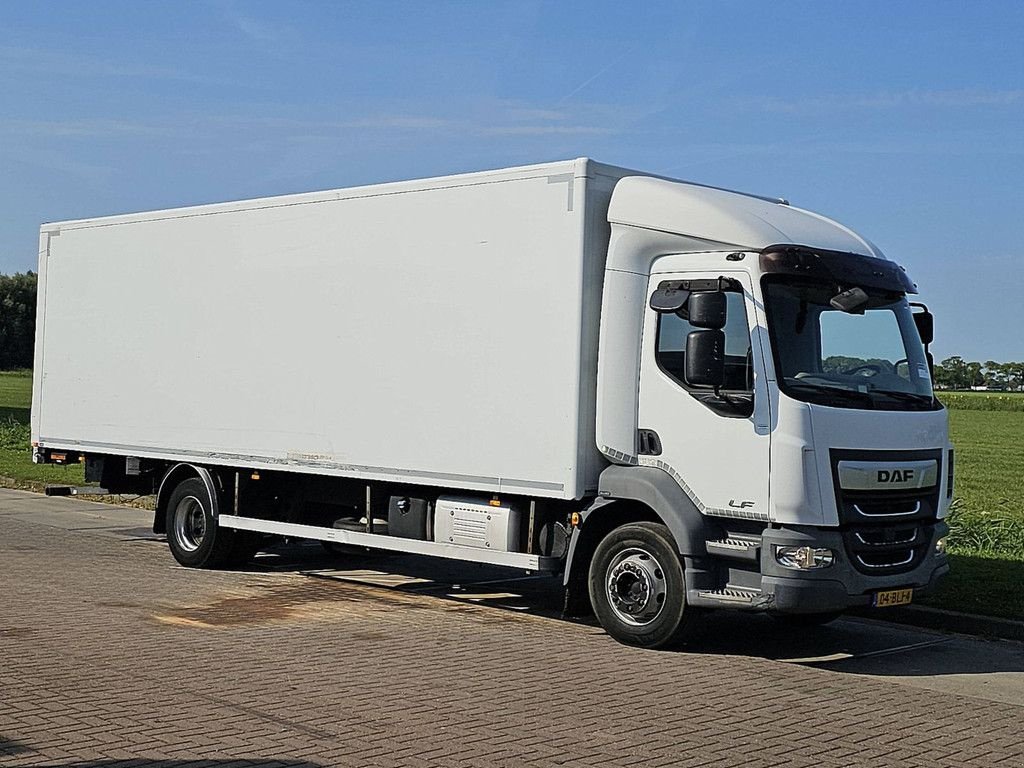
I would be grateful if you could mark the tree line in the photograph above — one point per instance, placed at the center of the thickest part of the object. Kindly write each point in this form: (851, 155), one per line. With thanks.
(956, 373)
(17, 320)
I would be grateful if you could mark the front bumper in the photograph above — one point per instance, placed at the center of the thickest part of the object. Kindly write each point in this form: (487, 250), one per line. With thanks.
(841, 585)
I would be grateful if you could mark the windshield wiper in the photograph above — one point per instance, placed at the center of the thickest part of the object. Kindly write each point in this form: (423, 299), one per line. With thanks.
(909, 397)
(840, 392)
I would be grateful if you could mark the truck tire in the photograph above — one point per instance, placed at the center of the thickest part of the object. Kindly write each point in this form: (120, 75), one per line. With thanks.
(195, 539)
(637, 587)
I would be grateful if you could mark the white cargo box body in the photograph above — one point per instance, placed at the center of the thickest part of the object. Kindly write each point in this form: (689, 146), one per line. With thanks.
(441, 332)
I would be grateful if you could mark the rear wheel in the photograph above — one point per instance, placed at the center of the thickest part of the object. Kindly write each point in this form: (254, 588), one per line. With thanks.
(195, 539)
(637, 586)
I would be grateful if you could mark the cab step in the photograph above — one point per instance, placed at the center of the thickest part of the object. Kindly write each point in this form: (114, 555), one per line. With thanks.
(733, 596)
(736, 547)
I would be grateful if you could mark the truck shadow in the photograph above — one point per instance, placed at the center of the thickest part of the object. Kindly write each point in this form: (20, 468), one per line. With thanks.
(160, 763)
(856, 645)
(853, 645)
(12, 748)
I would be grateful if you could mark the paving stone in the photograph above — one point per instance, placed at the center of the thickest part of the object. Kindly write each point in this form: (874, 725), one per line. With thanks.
(111, 655)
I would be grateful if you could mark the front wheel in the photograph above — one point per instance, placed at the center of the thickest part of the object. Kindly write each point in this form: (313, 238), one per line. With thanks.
(637, 586)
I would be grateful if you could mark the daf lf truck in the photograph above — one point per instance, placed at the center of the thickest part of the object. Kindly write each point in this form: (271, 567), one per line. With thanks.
(678, 397)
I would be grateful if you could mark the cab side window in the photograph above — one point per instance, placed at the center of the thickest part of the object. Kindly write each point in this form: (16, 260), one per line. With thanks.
(670, 350)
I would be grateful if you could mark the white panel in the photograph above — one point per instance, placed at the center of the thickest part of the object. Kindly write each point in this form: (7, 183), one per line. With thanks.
(429, 334)
(795, 492)
(730, 219)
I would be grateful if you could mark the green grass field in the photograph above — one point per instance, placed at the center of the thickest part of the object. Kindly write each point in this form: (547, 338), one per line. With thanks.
(987, 521)
(16, 467)
(988, 507)
(15, 395)
(983, 401)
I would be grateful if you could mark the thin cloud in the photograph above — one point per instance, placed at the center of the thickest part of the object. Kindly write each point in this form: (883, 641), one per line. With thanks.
(42, 61)
(273, 38)
(401, 122)
(955, 98)
(195, 128)
(545, 130)
(489, 121)
(255, 30)
(58, 162)
(613, 63)
(370, 122)
(516, 112)
(17, 62)
(82, 128)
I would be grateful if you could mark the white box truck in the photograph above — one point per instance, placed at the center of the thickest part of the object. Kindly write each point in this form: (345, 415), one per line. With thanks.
(678, 397)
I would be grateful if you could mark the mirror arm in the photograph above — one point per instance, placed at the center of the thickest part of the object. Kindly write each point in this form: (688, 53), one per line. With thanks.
(724, 397)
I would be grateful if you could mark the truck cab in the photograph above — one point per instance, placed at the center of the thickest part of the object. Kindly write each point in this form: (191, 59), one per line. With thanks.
(780, 418)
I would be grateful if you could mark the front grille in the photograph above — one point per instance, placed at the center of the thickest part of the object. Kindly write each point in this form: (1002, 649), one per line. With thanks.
(886, 537)
(886, 560)
(888, 549)
(886, 531)
(887, 508)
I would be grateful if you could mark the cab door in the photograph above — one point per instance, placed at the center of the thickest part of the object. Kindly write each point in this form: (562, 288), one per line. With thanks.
(714, 445)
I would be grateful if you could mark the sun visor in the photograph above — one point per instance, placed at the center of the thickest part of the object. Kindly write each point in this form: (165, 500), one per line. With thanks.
(845, 269)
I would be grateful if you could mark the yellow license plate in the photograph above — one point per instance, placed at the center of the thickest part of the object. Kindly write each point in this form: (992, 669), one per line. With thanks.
(890, 597)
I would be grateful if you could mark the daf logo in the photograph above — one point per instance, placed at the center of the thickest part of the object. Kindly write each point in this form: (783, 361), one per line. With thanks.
(895, 475)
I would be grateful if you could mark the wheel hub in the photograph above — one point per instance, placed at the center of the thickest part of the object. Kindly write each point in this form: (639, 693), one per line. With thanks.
(636, 587)
(189, 524)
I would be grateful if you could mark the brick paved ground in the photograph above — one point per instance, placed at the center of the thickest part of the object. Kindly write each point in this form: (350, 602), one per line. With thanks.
(111, 656)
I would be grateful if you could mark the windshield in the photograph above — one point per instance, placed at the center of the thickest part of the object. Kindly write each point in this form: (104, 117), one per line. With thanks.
(872, 359)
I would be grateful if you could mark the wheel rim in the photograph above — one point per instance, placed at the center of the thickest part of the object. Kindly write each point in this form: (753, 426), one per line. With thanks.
(636, 587)
(189, 524)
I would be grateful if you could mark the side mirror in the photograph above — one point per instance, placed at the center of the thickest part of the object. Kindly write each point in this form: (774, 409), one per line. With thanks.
(705, 357)
(925, 323)
(707, 310)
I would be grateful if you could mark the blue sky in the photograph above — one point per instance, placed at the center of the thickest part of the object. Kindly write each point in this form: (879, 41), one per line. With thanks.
(903, 120)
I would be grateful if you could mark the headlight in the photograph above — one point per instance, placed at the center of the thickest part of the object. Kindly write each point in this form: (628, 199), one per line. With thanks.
(940, 546)
(804, 558)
